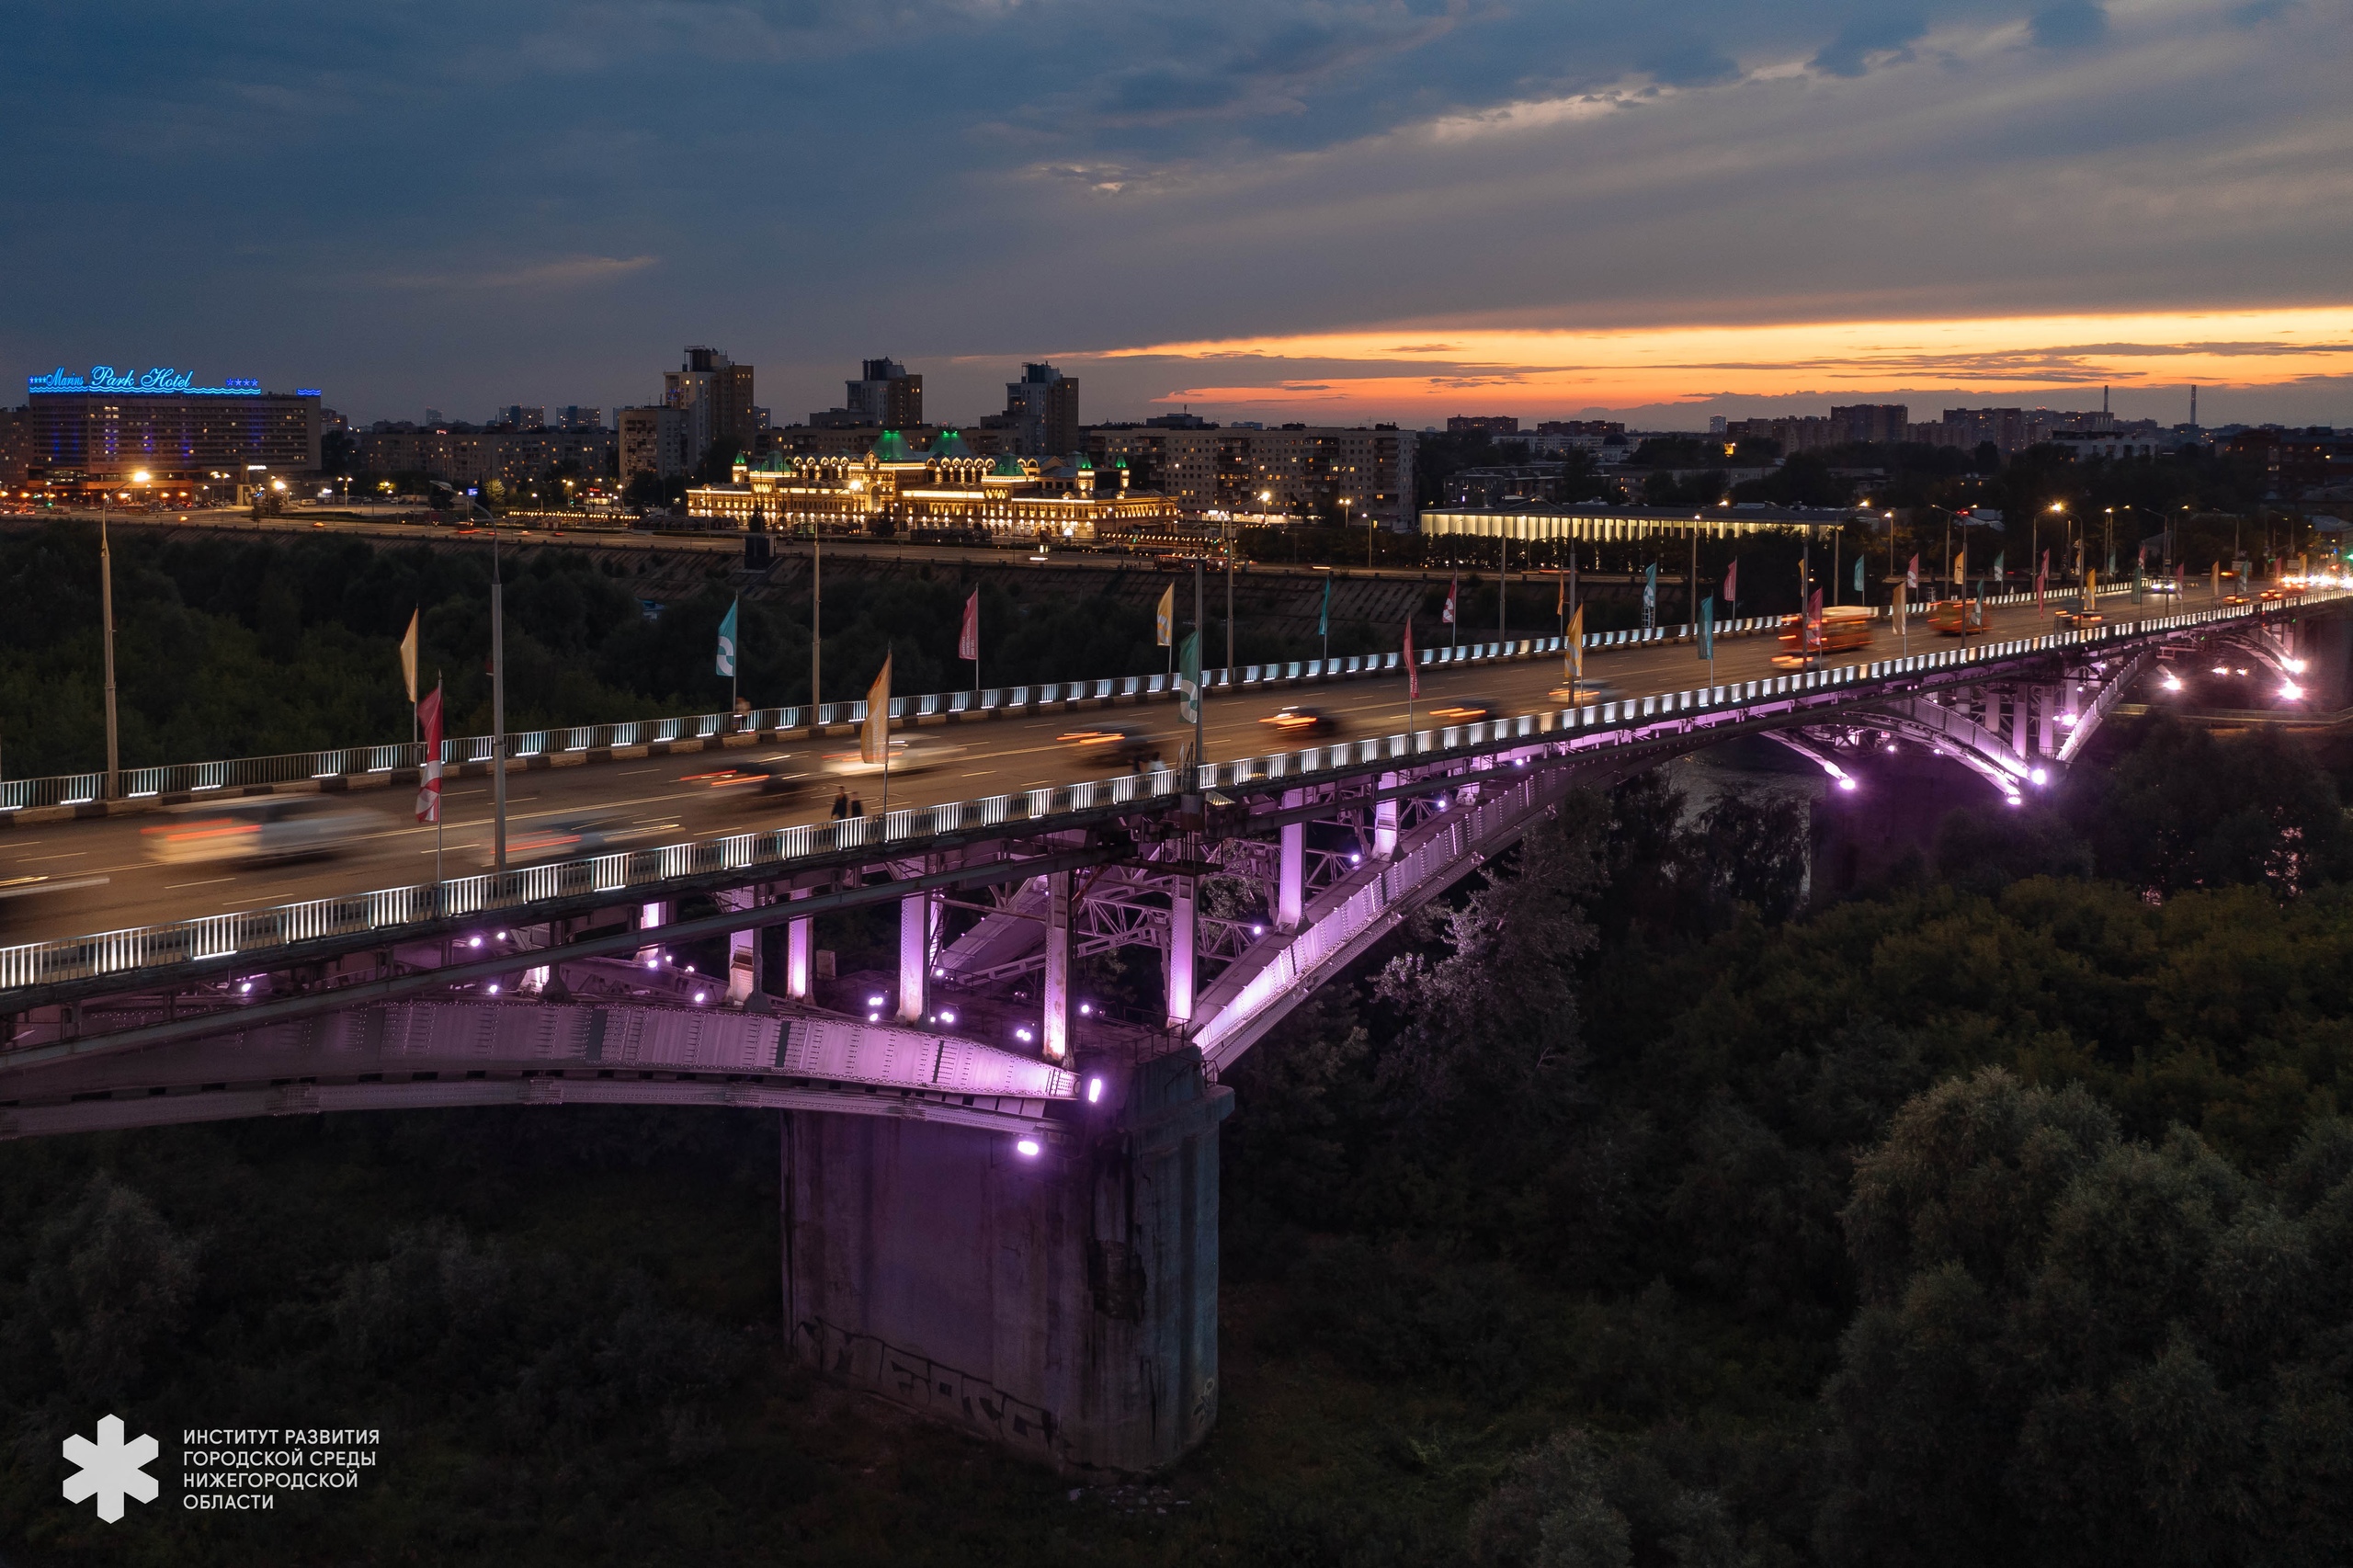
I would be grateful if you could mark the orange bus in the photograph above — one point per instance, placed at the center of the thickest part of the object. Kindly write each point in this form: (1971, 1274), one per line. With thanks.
(1845, 629)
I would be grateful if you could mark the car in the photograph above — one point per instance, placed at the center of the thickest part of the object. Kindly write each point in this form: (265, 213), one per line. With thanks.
(1296, 722)
(2079, 620)
(909, 754)
(574, 837)
(2235, 599)
(1105, 744)
(767, 776)
(1463, 710)
(1584, 692)
(256, 830)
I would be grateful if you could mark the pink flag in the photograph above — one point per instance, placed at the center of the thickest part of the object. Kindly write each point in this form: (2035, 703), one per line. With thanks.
(1912, 576)
(2041, 575)
(1814, 621)
(428, 789)
(967, 646)
(1452, 586)
(1413, 673)
(1732, 583)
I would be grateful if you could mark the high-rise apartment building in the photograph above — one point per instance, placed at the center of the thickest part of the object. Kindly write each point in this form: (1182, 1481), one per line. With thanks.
(884, 395)
(715, 393)
(1864, 421)
(1041, 408)
(521, 417)
(654, 441)
(572, 416)
(1491, 425)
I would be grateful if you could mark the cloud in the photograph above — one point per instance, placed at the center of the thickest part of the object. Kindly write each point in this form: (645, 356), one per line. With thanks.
(1866, 40)
(567, 272)
(1687, 62)
(2069, 24)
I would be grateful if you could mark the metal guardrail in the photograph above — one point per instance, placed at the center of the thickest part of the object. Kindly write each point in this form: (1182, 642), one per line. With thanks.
(641, 872)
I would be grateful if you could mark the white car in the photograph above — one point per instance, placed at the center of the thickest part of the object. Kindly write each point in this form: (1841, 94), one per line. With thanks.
(256, 830)
(910, 754)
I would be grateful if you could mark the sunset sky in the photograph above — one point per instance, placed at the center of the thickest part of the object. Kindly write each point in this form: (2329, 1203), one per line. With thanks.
(1286, 209)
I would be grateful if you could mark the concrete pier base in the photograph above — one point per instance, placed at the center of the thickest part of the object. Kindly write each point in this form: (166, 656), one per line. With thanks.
(1063, 1303)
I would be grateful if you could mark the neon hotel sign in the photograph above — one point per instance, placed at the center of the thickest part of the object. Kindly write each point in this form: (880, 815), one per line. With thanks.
(162, 378)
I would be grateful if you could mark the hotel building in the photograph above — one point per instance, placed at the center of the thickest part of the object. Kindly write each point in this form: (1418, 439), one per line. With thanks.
(96, 432)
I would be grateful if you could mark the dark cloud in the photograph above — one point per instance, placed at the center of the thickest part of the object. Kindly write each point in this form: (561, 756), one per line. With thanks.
(1687, 62)
(1849, 53)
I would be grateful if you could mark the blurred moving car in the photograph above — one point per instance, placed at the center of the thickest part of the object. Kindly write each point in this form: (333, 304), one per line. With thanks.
(2078, 619)
(1299, 724)
(1463, 710)
(767, 776)
(1105, 744)
(574, 838)
(910, 754)
(1844, 629)
(1581, 693)
(1956, 618)
(256, 830)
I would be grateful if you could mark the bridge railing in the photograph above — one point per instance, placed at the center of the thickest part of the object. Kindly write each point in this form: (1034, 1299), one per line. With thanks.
(642, 872)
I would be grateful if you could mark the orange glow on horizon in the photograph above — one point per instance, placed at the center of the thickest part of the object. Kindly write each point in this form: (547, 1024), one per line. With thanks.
(1417, 367)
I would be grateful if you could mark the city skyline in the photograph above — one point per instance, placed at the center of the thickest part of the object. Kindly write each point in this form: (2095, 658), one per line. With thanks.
(1701, 209)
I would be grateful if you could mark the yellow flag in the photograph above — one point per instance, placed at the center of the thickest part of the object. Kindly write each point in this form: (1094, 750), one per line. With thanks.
(874, 735)
(1572, 656)
(408, 658)
(2091, 587)
(1165, 618)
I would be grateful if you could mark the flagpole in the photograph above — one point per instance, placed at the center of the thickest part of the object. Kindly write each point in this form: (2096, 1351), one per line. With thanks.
(497, 710)
(1201, 690)
(437, 814)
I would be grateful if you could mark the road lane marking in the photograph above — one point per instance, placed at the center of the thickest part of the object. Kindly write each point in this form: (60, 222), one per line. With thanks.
(175, 887)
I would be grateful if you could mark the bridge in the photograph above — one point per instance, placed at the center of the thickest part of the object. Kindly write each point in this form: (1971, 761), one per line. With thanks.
(999, 1191)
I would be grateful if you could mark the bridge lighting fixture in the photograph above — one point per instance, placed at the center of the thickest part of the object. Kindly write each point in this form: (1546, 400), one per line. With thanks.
(246, 988)
(1023, 1036)
(1094, 1091)
(1257, 930)
(1086, 1009)
(2290, 690)
(493, 988)
(700, 997)
(2173, 681)
(1356, 859)
(2016, 799)
(947, 1017)
(873, 1018)
(2039, 776)
(1028, 1148)
(475, 943)
(654, 964)
(2295, 666)
(2222, 669)
(1846, 783)
(874, 1001)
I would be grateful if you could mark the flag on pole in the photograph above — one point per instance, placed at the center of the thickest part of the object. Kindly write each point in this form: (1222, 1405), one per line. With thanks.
(408, 658)
(1163, 618)
(2000, 558)
(1561, 594)
(1912, 575)
(1453, 586)
(1649, 595)
(1732, 583)
(968, 641)
(1708, 629)
(1573, 654)
(1859, 590)
(1959, 568)
(874, 735)
(2042, 579)
(1412, 671)
(2140, 585)
(1324, 622)
(2091, 590)
(726, 661)
(428, 788)
(1813, 621)
(1189, 678)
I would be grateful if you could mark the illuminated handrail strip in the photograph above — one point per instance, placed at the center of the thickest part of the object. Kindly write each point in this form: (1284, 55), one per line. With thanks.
(377, 911)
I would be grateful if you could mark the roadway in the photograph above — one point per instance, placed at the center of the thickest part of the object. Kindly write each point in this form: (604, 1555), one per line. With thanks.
(656, 799)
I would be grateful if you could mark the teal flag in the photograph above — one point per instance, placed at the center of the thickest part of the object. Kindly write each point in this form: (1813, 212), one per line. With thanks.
(1999, 557)
(1649, 595)
(1324, 622)
(1189, 679)
(1859, 577)
(727, 643)
(1708, 628)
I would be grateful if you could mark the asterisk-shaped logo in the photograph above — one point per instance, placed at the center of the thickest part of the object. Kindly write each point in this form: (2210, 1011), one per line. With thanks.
(110, 1468)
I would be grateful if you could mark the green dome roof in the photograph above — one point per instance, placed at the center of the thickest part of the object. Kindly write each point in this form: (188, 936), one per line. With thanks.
(890, 448)
(1008, 467)
(948, 444)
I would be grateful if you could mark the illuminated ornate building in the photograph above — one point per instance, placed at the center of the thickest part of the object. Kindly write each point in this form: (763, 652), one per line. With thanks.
(898, 488)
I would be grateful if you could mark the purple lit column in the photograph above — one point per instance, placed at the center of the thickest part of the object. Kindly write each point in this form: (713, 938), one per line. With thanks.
(1384, 822)
(1290, 878)
(1057, 988)
(918, 917)
(800, 939)
(1180, 952)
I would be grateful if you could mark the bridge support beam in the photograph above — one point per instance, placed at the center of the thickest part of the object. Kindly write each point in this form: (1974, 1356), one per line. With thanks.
(1290, 874)
(1182, 892)
(919, 920)
(799, 953)
(1384, 822)
(1063, 1303)
(742, 950)
(1056, 987)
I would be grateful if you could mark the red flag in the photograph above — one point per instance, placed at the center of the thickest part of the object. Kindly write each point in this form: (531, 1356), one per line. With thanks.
(1413, 673)
(1732, 583)
(1912, 576)
(1814, 621)
(428, 789)
(968, 646)
(2041, 575)
(1452, 586)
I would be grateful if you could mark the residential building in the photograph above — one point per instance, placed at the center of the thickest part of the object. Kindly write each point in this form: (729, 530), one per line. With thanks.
(1585, 426)
(1330, 473)
(653, 441)
(1494, 426)
(945, 487)
(97, 431)
(572, 416)
(1870, 422)
(715, 394)
(16, 449)
(471, 456)
(884, 396)
(521, 417)
(1042, 409)
(1517, 484)
(2296, 460)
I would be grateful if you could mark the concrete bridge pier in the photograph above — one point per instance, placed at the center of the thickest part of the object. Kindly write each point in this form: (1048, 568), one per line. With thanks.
(1063, 1302)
